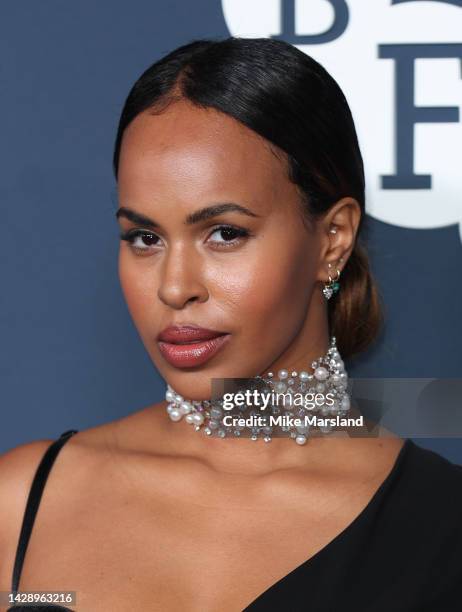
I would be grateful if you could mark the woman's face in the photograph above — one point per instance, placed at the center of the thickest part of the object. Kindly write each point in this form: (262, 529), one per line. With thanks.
(246, 272)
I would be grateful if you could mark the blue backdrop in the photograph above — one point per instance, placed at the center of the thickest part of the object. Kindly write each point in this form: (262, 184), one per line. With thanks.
(70, 356)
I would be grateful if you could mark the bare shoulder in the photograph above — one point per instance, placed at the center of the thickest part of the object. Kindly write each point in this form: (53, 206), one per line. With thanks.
(17, 469)
(81, 453)
(84, 458)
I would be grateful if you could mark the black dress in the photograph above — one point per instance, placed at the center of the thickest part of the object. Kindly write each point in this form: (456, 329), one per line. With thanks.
(402, 553)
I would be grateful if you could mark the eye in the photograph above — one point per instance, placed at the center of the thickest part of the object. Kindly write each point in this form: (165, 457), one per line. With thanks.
(229, 235)
(140, 241)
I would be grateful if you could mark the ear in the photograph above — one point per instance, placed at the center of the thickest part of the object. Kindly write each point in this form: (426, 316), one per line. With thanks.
(337, 230)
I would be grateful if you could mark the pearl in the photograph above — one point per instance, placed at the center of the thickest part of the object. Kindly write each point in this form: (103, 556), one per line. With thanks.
(175, 415)
(198, 419)
(329, 374)
(185, 407)
(321, 373)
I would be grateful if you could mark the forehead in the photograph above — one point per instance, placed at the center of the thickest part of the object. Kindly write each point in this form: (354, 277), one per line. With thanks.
(197, 151)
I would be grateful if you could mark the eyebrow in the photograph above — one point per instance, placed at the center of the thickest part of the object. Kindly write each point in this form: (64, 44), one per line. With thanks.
(196, 217)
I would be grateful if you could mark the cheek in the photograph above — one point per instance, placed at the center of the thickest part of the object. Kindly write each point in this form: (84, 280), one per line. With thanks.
(137, 287)
(268, 291)
(260, 294)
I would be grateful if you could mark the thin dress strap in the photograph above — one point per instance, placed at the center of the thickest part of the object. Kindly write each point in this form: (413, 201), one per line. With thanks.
(33, 501)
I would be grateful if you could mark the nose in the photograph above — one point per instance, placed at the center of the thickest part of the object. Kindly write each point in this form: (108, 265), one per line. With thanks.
(181, 280)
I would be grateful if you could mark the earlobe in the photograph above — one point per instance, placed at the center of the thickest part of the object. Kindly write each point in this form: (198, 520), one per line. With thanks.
(332, 286)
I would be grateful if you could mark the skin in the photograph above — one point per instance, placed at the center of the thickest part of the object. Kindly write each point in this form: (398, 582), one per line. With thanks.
(268, 281)
(145, 510)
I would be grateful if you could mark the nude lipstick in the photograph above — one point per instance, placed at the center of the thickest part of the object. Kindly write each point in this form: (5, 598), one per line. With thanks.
(185, 346)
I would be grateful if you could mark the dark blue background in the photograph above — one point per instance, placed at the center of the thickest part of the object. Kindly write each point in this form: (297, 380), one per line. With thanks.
(71, 357)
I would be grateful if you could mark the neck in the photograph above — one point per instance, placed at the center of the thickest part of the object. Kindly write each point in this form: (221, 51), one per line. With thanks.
(245, 458)
(312, 340)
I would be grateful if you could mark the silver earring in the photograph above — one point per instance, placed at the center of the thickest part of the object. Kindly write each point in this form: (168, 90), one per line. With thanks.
(332, 286)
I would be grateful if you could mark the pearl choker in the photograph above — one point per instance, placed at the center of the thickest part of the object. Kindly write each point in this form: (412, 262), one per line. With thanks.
(328, 378)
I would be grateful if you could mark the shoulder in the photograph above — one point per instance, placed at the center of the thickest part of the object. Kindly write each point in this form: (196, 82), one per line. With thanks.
(429, 506)
(436, 511)
(81, 459)
(19, 465)
(432, 484)
(17, 470)
(427, 467)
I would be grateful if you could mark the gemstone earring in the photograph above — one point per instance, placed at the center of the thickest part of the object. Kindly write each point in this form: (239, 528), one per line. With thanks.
(332, 286)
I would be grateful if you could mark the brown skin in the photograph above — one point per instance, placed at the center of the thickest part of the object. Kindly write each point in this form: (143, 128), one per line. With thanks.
(265, 290)
(146, 510)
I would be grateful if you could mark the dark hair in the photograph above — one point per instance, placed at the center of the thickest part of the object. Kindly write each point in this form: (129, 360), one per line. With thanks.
(289, 99)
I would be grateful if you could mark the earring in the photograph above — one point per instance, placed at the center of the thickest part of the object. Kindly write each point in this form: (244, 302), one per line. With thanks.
(332, 286)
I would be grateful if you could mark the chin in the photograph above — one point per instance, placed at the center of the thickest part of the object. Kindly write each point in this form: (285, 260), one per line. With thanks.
(191, 385)
(197, 385)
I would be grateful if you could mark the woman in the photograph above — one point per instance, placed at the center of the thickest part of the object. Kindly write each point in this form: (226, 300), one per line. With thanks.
(241, 201)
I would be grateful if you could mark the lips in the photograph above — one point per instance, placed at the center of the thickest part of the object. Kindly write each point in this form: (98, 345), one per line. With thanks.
(189, 345)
